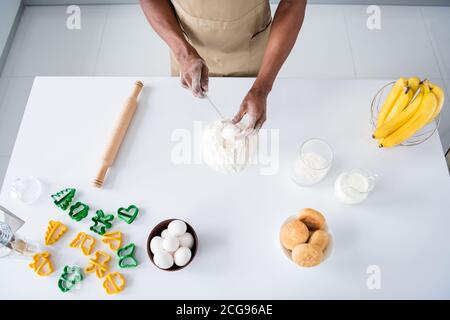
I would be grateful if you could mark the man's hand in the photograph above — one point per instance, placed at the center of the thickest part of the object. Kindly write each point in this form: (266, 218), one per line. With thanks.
(254, 105)
(283, 33)
(194, 74)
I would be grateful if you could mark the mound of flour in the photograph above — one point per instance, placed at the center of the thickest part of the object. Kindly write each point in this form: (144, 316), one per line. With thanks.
(224, 147)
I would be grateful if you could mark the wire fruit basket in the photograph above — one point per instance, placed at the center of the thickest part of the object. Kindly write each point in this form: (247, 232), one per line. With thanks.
(420, 136)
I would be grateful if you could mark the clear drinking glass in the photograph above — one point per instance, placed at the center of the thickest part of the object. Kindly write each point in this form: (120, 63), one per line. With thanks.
(313, 162)
(26, 190)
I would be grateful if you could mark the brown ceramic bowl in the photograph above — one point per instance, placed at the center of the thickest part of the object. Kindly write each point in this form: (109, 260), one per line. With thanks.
(157, 232)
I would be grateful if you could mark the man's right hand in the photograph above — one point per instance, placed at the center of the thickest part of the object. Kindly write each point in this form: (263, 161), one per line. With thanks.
(193, 69)
(194, 74)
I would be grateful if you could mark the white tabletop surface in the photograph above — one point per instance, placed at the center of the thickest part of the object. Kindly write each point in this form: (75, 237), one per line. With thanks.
(403, 227)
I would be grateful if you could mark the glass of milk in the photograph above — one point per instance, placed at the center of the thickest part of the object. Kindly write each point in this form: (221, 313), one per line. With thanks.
(313, 162)
(354, 186)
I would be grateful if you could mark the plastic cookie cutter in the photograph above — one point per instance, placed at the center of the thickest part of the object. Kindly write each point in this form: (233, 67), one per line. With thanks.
(113, 240)
(55, 230)
(128, 214)
(78, 211)
(64, 197)
(71, 276)
(114, 283)
(85, 242)
(42, 264)
(99, 264)
(102, 222)
(126, 256)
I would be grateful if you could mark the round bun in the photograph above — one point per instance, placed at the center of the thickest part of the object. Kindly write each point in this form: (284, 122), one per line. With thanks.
(307, 255)
(313, 219)
(319, 238)
(293, 233)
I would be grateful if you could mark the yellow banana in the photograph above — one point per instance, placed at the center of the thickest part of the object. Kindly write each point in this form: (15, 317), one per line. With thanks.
(396, 89)
(401, 118)
(401, 103)
(440, 96)
(414, 83)
(416, 122)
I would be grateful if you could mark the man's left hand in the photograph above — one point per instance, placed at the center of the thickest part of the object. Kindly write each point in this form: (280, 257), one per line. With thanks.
(254, 105)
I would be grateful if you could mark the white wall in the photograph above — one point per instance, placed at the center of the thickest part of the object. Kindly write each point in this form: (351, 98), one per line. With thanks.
(8, 12)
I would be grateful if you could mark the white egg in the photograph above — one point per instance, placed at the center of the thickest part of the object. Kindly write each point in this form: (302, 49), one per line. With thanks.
(163, 259)
(177, 228)
(156, 244)
(182, 256)
(230, 131)
(170, 244)
(186, 240)
(164, 233)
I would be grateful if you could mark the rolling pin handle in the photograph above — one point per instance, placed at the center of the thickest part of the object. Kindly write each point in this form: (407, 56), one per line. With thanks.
(100, 177)
(138, 85)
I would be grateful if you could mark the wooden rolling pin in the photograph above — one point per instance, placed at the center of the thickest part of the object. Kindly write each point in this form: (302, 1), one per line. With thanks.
(119, 133)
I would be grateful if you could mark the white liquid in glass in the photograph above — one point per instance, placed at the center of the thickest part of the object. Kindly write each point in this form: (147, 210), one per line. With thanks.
(352, 187)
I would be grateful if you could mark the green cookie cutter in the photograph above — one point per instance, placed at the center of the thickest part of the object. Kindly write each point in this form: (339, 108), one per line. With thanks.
(126, 256)
(71, 276)
(64, 197)
(78, 211)
(102, 222)
(128, 214)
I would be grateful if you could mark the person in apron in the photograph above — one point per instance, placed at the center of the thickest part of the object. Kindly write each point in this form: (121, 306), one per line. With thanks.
(235, 38)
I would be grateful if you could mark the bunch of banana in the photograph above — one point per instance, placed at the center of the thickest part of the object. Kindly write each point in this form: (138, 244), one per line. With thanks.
(410, 105)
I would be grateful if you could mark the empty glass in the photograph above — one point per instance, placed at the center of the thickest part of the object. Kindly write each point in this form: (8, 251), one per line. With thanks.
(26, 190)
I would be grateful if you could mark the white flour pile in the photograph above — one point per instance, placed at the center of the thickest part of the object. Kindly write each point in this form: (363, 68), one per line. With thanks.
(224, 148)
(309, 168)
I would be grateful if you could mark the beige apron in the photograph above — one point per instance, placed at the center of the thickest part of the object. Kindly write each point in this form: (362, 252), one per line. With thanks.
(231, 35)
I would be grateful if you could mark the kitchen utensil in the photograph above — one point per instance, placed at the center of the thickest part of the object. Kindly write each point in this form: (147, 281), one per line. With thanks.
(118, 135)
(214, 106)
(10, 242)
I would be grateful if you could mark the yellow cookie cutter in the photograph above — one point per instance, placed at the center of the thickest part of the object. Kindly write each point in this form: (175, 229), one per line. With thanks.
(110, 284)
(99, 264)
(85, 242)
(42, 265)
(55, 230)
(113, 240)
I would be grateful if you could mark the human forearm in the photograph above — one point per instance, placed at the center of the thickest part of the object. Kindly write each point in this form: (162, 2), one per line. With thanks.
(286, 25)
(161, 17)
(285, 28)
(193, 69)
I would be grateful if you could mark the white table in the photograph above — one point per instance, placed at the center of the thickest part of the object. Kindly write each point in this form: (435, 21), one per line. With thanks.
(402, 227)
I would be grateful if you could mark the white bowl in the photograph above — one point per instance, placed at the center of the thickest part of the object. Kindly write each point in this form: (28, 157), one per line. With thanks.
(326, 253)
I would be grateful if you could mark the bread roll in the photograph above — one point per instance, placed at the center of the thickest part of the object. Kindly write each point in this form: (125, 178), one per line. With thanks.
(313, 219)
(293, 233)
(319, 238)
(307, 255)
